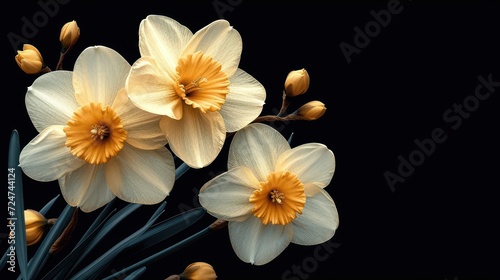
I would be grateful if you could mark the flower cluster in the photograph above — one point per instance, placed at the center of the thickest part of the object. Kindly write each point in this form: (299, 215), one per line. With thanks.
(113, 129)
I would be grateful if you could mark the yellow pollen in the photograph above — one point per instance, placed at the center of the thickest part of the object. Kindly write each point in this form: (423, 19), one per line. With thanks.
(277, 196)
(201, 82)
(279, 199)
(95, 133)
(194, 85)
(99, 131)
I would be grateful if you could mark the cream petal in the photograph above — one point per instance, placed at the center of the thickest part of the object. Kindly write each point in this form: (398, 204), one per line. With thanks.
(220, 41)
(163, 38)
(157, 95)
(45, 158)
(256, 243)
(51, 100)
(227, 195)
(139, 176)
(86, 188)
(312, 162)
(257, 146)
(197, 138)
(244, 102)
(143, 128)
(99, 74)
(319, 219)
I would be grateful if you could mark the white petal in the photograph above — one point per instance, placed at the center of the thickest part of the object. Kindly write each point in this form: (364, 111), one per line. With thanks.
(244, 102)
(220, 41)
(51, 99)
(197, 138)
(86, 188)
(99, 74)
(143, 128)
(257, 146)
(256, 243)
(139, 176)
(152, 90)
(163, 38)
(319, 219)
(312, 162)
(46, 158)
(227, 195)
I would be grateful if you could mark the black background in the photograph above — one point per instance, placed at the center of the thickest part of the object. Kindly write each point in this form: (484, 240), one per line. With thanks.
(441, 222)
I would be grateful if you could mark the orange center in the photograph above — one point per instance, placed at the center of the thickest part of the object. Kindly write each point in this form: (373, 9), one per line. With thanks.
(95, 133)
(201, 83)
(279, 199)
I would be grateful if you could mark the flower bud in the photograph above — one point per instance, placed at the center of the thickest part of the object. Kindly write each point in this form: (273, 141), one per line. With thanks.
(30, 60)
(311, 110)
(297, 82)
(199, 271)
(36, 224)
(70, 32)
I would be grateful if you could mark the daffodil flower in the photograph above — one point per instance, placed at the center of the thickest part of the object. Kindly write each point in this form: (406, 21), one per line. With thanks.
(193, 80)
(92, 139)
(272, 195)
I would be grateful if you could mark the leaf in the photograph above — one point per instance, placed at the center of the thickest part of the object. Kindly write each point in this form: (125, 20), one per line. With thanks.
(92, 270)
(16, 206)
(65, 236)
(47, 206)
(163, 253)
(42, 211)
(65, 266)
(167, 228)
(42, 254)
(103, 231)
(136, 274)
(104, 215)
(179, 171)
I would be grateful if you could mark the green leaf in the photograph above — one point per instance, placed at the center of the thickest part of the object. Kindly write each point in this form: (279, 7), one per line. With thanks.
(167, 228)
(93, 269)
(179, 171)
(104, 215)
(69, 263)
(42, 254)
(163, 253)
(136, 274)
(110, 224)
(47, 206)
(42, 211)
(16, 204)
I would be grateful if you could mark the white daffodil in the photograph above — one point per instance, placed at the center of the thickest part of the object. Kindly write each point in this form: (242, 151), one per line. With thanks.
(92, 139)
(193, 80)
(272, 195)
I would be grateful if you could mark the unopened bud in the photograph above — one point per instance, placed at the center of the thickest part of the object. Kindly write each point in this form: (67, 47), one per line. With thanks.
(30, 60)
(297, 82)
(311, 110)
(199, 271)
(36, 224)
(70, 32)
